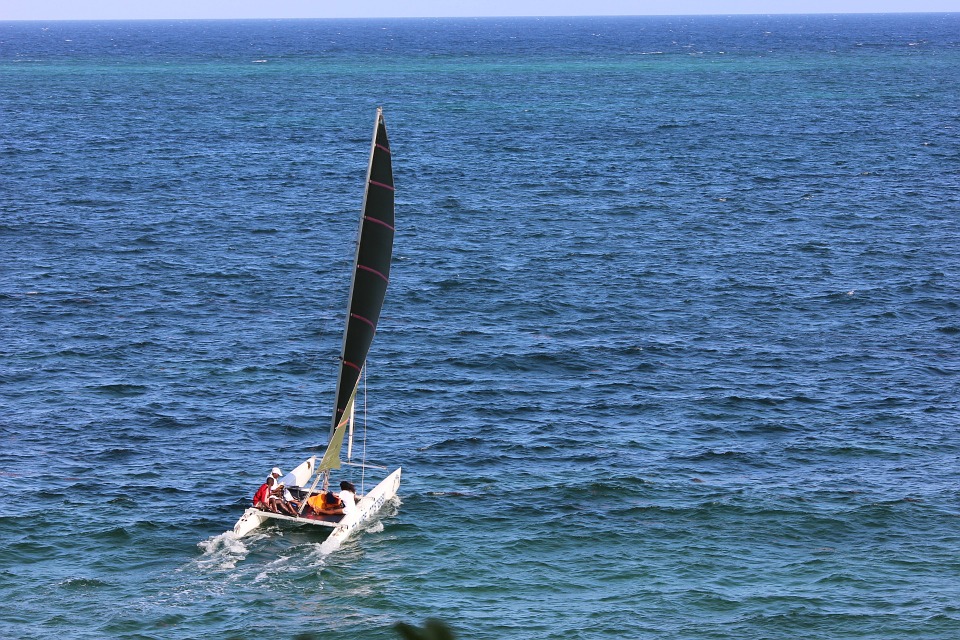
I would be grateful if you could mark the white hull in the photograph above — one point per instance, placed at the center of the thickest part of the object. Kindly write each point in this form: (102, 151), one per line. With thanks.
(368, 506)
(253, 518)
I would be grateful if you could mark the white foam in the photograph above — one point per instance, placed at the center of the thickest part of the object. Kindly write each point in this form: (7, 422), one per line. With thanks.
(222, 551)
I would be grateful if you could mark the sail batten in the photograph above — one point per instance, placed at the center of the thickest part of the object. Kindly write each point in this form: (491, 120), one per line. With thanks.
(368, 286)
(374, 272)
(381, 185)
(379, 222)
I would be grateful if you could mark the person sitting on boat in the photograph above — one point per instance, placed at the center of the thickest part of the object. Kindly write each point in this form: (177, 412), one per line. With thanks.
(348, 496)
(288, 497)
(278, 504)
(275, 473)
(261, 499)
(325, 504)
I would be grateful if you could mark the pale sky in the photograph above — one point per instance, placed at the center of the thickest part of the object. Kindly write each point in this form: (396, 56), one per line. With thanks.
(203, 9)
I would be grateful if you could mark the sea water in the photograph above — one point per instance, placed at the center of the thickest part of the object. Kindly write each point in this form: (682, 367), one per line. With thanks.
(670, 348)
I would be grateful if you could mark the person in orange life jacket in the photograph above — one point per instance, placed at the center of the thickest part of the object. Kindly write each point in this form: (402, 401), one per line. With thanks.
(325, 504)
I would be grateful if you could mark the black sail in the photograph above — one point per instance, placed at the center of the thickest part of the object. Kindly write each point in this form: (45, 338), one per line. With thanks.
(369, 284)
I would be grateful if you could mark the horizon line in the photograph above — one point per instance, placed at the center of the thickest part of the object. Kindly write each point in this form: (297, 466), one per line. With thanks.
(497, 17)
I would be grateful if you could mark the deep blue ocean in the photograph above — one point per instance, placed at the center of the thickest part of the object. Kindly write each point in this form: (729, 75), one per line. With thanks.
(671, 348)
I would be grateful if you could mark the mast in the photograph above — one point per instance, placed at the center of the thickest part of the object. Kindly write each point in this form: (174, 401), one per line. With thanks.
(368, 285)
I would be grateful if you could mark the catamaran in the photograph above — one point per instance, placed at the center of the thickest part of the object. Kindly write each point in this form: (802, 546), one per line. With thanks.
(368, 287)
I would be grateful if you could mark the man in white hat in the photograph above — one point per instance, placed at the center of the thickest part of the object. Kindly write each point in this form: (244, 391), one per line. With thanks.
(292, 505)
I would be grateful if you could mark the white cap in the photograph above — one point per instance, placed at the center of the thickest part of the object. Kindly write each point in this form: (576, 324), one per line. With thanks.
(276, 470)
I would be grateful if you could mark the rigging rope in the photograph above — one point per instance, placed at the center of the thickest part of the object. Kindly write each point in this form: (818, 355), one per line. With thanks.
(363, 457)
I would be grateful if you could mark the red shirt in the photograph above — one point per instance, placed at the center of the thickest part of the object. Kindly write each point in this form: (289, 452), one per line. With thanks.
(262, 494)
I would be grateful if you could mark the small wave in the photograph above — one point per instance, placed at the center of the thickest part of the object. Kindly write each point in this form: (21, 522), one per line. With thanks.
(452, 444)
(712, 454)
(121, 390)
(113, 535)
(82, 583)
(222, 551)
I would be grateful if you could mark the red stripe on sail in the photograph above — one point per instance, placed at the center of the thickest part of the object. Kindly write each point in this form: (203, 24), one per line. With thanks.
(362, 319)
(374, 272)
(380, 184)
(350, 364)
(378, 221)
(383, 148)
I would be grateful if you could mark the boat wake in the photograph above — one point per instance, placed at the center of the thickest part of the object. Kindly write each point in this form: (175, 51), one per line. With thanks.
(227, 553)
(289, 565)
(222, 552)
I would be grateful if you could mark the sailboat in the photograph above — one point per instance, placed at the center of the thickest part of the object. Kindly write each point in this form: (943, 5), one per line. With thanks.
(368, 286)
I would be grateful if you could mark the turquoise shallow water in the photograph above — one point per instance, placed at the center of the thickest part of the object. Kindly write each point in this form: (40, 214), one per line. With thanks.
(669, 350)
